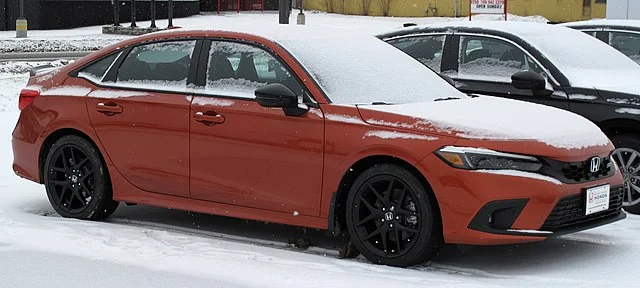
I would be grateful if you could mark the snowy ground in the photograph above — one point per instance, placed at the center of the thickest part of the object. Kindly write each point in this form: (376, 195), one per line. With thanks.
(152, 247)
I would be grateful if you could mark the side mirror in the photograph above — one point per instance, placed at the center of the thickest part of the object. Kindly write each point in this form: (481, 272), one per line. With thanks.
(448, 79)
(529, 80)
(278, 95)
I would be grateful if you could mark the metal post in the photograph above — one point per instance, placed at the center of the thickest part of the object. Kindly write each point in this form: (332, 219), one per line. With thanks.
(21, 23)
(153, 14)
(116, 12)
(133, 13)
(283, 8)
(301, 17)
(170, 14)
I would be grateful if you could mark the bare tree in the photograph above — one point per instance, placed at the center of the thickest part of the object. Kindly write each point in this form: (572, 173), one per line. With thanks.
(384, 4)
(365, 7)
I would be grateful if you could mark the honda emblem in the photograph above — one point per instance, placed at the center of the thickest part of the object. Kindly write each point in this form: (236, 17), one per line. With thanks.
(595, 164)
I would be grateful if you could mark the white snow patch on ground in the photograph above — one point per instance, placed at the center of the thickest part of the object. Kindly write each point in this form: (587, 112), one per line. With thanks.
(516, 173)
(628, 110)
(397, 135)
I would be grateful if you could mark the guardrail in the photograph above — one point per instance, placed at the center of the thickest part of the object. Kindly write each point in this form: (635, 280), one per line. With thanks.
(42, 56)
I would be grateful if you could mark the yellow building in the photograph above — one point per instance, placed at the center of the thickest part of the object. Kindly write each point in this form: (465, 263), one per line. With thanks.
(554, 10)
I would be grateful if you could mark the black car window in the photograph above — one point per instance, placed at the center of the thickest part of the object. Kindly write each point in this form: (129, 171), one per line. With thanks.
(98, 69)
(237, 69)
(426, 49)
(157, 65)
(490, 59)
(627, 43)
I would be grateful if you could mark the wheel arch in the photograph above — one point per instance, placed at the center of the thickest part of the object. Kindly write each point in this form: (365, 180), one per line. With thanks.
(337, 211)
(48, 142)
(614, 127)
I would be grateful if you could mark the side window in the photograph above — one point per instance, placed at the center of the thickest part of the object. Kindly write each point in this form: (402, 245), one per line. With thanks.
(627, 43)
(426, 49)
(237, 69)
(96, 71)
(489, 59)
(162, 65)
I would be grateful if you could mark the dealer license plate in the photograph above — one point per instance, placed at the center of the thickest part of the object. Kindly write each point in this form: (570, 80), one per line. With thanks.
(597, 199)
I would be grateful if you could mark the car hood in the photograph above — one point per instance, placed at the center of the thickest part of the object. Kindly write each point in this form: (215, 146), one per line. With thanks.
(491, 118)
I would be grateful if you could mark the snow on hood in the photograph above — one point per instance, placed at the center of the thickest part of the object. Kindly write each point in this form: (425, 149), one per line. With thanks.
(494, 118)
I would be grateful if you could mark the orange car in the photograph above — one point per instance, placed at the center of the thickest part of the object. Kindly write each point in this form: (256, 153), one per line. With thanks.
(321, 129)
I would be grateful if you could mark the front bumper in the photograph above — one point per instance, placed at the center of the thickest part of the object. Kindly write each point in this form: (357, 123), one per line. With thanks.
(463, 194)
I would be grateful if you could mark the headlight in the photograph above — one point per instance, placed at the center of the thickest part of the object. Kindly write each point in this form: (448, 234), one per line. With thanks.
(478, 158)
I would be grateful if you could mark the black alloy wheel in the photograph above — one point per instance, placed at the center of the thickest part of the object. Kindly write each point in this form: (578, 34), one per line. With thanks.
(390, 216)
(627, 157)
(76, 180)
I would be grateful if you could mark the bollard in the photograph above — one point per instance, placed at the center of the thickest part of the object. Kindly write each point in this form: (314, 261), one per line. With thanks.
(133, 14)
(300, 20)
(283, 12)
(21, 28)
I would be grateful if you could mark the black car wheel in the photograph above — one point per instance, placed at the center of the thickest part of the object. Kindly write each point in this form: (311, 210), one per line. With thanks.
(392, 217)
(76, 180)
(627, 156)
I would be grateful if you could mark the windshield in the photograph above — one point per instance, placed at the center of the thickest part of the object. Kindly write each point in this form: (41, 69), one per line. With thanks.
(365, 70)
(583, 59)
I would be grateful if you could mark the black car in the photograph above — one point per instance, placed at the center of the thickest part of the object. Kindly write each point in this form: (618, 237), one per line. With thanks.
(546, 64)
(624, 35)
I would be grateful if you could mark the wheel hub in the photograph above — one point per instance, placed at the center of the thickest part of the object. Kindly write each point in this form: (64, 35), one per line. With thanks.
(74, 178)
(388, 216)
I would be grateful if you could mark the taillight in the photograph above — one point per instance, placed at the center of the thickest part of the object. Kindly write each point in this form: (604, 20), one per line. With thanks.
(26, 96)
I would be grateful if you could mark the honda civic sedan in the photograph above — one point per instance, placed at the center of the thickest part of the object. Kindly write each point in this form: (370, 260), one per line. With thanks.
(312, 128)
(540, 63)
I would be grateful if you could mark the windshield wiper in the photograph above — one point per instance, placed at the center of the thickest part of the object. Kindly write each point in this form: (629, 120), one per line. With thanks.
(445, 99)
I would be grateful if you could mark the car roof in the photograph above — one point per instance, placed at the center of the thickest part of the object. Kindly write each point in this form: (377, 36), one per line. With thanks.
(617, 23)
(511, 27)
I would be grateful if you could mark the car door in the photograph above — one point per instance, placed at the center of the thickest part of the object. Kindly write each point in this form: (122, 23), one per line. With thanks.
(140, 112)
(485, 64)
(245, 154)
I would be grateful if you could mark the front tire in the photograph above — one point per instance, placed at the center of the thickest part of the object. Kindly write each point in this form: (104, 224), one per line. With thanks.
(627, 156)
(77, 181)
(392, 217)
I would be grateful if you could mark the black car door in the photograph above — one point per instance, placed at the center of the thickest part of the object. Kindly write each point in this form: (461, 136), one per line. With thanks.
(484, 64)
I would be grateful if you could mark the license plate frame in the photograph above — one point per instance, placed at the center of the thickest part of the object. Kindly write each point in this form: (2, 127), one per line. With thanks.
(597, 199)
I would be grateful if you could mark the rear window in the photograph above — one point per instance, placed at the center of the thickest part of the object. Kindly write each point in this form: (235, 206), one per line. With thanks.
(98, 69)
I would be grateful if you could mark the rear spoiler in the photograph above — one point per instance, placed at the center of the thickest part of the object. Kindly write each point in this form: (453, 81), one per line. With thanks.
(38, 70)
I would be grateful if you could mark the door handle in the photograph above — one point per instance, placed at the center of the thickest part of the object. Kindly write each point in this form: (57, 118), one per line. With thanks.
(109, 109)
(208, 118)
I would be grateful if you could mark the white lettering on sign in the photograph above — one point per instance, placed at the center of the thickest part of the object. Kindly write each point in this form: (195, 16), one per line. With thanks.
(487, 6)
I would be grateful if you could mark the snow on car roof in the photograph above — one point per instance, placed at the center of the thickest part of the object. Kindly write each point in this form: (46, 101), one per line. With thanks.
(354, 68)
(604, 22)
(583, 59)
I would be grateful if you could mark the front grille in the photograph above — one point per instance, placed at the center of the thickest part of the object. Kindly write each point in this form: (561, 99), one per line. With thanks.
(570, 210)
(577, 172)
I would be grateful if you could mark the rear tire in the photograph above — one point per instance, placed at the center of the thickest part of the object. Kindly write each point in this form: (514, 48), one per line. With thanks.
(392, 217)
(628, 151)
(77, 180)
